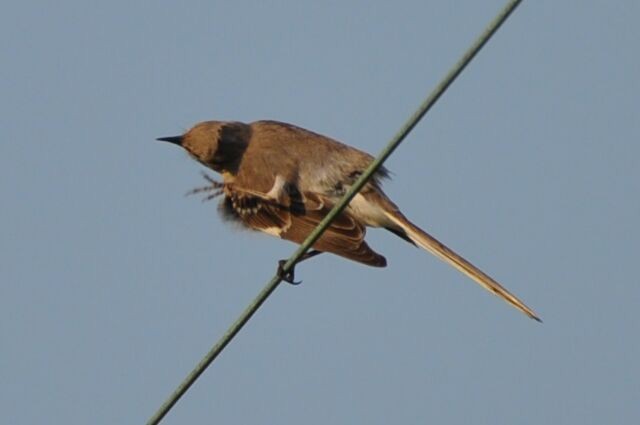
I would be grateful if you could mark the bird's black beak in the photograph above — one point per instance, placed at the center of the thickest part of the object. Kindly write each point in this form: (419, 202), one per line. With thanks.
(176, 140)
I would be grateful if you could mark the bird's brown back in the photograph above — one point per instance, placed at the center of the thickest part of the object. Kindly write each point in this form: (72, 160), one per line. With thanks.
(306, 159)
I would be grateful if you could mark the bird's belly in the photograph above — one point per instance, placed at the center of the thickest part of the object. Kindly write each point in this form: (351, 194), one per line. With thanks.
(367, 212)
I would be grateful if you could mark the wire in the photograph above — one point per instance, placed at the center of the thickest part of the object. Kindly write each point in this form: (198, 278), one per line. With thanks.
(337, 209)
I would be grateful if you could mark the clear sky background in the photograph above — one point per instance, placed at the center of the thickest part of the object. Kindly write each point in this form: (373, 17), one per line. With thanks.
(113, 284)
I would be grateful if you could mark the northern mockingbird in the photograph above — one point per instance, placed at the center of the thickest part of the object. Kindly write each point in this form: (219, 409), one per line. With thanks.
(282, 180)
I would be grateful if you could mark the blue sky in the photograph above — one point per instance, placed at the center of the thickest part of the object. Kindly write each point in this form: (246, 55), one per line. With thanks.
(113, 284)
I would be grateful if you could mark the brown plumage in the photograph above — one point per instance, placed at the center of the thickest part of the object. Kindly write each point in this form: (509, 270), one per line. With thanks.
(283, 180)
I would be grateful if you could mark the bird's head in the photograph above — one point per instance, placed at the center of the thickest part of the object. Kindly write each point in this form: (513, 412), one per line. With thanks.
(216, 144)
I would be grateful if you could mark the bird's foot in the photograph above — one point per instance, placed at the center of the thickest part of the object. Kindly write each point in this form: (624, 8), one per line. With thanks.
(214, 189)
(288, 276)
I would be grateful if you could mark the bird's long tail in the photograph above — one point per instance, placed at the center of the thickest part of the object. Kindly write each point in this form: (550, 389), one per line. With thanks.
(437, 248)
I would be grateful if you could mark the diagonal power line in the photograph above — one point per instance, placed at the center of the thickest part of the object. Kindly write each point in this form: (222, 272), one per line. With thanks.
(337, 209)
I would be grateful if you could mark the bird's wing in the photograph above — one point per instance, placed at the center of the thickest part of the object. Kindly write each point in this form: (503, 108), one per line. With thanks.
(294, 216)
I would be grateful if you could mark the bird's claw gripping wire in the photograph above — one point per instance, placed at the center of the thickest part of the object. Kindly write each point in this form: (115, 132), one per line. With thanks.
(289, 276)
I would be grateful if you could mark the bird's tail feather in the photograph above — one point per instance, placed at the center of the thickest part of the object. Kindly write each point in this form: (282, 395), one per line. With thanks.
(437, 248)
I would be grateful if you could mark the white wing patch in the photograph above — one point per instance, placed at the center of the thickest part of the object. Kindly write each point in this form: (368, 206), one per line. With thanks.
(273, 231)
(278, 191)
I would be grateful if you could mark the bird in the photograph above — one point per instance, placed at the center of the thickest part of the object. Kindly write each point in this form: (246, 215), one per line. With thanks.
(282, 180)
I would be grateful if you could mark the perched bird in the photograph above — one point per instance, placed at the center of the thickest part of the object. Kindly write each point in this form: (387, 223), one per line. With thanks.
(282, 180)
